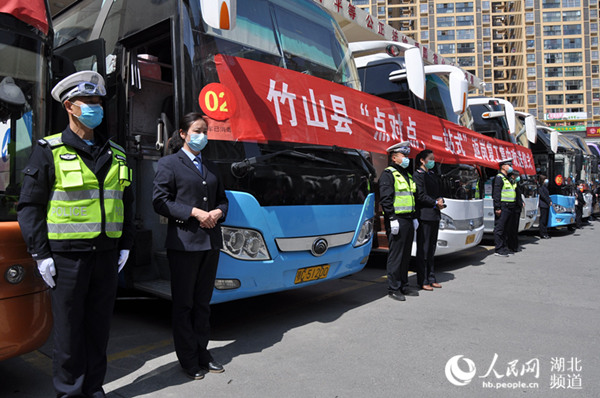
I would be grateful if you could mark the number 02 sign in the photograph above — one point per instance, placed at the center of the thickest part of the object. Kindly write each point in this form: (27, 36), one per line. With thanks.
(217, 101)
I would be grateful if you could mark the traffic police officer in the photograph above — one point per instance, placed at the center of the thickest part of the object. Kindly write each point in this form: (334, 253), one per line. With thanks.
(397, 199)
(75, 216)
(506, 212)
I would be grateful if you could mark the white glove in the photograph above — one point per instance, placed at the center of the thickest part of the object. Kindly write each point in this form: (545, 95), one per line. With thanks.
(415, 223)
(123, 256)
(395, 226)
(47, 270)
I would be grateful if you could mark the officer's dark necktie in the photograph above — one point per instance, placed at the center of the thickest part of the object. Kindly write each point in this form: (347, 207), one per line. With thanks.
(198, 164)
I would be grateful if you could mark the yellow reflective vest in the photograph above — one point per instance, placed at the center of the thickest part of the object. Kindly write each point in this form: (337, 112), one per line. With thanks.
(509, 191)
(404, 192)
(78, 206)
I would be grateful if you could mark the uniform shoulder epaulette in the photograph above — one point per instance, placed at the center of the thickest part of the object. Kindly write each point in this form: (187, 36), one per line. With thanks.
(116, 146)
(53, 140)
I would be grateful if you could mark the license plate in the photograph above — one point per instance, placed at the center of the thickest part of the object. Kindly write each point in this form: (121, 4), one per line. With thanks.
(470, 239)
(311, 273)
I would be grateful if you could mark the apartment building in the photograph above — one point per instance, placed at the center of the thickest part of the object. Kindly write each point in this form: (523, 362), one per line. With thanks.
(542, 55)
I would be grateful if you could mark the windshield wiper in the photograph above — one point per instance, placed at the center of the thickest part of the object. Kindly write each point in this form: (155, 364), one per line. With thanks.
(240, 169)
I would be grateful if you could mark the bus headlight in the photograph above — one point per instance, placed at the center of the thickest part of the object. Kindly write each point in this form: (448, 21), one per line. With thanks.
(14, 274)
(559, 208)
(365, 233)
(447, 222)
(244, 244)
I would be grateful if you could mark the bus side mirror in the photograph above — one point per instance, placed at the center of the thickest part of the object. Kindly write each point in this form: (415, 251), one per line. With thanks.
(531, 128)
(219, 14)
(554, 141)
(415, 71)
(459, 88)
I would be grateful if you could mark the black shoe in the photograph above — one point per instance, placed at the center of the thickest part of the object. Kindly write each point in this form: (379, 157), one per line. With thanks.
(409, 292)
(501, 254)
(194, 373)
(396, 295)
(214, 367)
(546, 237)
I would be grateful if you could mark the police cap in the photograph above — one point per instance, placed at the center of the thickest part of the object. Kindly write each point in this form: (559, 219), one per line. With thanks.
(86, 83)
(508, 161)
(401, 147)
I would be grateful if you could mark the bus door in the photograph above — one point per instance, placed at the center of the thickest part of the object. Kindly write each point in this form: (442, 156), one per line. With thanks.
(149, 113)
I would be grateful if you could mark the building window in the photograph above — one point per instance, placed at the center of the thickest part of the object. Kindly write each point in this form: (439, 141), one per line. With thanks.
(594, 27)
(596, 111)
(595, 69)
(424, 8)
(424, 21)
(466, 61)
(572, 71)
(593, 13)
(464, 7)
(554, 85)
(571, 99)
(551, 71)
(446, 48)
(570, 16)
(552, 30)
(487, 59)
(552, 16)
(572, 43)
(530, 43)
(551, 3)
(530, 58)
(532, 98)
(485, 18)
(487, 45)
(464, 20)
(573, 57)
(571, 3)
(595, 55)
(553, 44)
(528, 3)
(529, 17)
(531, 85)
(360, 2)
(554, 99)
(465, 34)
(553, 58)
(531, 71)
(444, 8)
(425, 35)
(572, 29)
(594, 41)
(486, 32)
(487, 73)
(445, 35)
(445, 22)
(596, 84)
(530, 30)
(464, 48)
(572, 85)
(485, 5)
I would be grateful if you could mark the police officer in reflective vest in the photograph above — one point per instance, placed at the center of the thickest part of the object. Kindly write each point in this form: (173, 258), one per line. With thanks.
(506, 211)
(75, 216)
(397, 200)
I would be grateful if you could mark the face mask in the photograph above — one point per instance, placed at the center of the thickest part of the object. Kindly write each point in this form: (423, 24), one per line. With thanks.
(197, 142)
(518, 179)
(546, 182)
(430, 164)
(404, 163)
(510, 170)
(91, 115)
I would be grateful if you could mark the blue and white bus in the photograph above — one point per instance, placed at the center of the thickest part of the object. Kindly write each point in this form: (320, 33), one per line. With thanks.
(298, 213)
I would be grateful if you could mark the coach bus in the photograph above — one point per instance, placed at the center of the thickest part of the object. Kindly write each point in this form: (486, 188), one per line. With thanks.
(25, 45)
(496, 118)
(387, 75)
(300, 210)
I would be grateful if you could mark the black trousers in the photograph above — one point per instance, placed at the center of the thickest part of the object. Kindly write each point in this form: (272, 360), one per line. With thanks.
(578, 216)
(543, 221)
(503, 226)
(192, 282)
(427, 235)
(398, 258)
(512, 237)
(82, 307)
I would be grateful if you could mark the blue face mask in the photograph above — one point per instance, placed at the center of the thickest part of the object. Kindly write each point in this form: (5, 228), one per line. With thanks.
(546, 182)
(510, 170)
(404, 163)
(197, 142)
(430, 164)
(91, 115)
(518, 179)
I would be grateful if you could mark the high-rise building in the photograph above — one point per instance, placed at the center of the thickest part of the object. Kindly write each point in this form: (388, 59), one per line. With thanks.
(542, 55)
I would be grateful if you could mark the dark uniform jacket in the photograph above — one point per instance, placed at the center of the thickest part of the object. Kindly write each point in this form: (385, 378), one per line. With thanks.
(387, 194)
(428, 191)
(179, 187)
(544, 197)
(580, 198)
(497, 191)
(35, 193)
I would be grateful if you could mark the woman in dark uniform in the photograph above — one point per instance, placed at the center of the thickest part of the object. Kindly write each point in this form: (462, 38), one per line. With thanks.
(545, 203)
(189, 192)
(429, 202)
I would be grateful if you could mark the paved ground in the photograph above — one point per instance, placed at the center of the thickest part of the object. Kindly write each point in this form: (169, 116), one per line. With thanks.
(345, 338)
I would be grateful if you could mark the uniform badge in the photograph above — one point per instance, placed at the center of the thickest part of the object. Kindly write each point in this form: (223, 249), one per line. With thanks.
(68, 156)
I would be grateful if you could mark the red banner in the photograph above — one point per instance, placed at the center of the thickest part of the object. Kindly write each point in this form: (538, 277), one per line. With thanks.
(32, 12)
(275, 104)
(593, 132)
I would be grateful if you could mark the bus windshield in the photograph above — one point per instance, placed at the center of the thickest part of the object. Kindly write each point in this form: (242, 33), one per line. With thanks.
(22, 83)
(294, 35)
(459, 182)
